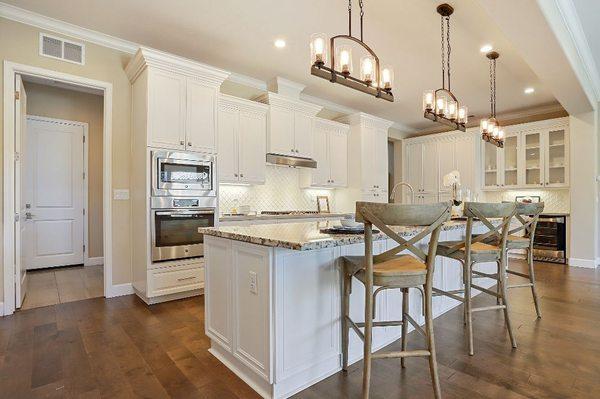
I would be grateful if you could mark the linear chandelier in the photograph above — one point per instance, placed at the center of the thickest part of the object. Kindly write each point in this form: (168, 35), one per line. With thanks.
(373, 80)
(441, 105)
(490, 128)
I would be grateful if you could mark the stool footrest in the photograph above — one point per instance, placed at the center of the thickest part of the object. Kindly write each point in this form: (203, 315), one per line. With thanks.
(390, 323)
(388, 355)
(518, 274)
(487, 308)
(355, 328)
(520, 285)
(488, 275)
(489, 292)
(415, 325)
(451, 294)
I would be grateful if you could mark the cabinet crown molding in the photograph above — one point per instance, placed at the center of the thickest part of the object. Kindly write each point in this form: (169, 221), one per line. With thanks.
(231, 102)
(366, 120)
(278, 100)
(328, 124)
(147, 57)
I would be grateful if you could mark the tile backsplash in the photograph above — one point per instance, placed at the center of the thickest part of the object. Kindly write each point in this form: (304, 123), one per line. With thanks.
(281, 192)
(555, 200)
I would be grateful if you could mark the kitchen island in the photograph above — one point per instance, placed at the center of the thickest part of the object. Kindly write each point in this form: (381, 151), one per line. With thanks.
(273, 300)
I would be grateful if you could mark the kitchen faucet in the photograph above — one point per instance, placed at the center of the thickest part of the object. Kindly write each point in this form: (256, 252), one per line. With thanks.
(412, 191)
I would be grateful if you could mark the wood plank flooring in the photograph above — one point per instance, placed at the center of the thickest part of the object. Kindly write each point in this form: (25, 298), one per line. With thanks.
(63, 284)
(121, 348)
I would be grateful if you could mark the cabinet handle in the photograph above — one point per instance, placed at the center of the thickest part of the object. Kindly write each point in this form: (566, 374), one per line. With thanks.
(241, 175)
(186, 278)
(182, 142)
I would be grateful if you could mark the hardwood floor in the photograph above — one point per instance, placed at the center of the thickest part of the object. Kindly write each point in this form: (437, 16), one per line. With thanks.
(63, 284)
(121, 348)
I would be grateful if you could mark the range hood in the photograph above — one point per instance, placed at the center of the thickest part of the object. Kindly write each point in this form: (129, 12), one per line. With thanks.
(287, 160)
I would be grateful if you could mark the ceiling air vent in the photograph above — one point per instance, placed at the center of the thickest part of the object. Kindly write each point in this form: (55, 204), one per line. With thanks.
(58, 48)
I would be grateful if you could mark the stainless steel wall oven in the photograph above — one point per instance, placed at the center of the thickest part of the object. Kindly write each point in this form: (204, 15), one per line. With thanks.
(183, 174)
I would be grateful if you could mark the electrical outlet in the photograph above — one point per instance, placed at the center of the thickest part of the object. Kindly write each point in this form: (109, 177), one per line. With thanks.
(253, 283)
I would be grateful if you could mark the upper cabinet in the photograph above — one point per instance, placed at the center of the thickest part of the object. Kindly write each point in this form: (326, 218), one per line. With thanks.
(290, 125)
(534, 155)
(242, 140)
(176, 100)
(330, 141)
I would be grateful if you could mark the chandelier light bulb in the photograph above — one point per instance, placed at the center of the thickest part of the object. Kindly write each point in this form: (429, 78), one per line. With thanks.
(463, 115)
(428, 98)
(452, 111)
(345, 60)
(366, 68)
(483, 126)
(387, 78)
(501, 135)
(440, 107)
(318, 48)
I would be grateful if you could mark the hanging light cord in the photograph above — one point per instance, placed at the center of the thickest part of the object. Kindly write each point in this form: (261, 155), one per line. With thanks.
(493, 88)
(349, 17)
(362, 14)
(449, 48)
(443, 54)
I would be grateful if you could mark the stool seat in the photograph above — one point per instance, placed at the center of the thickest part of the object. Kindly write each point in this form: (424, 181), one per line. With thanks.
(402, 271)
(512, 242)
(480, 251)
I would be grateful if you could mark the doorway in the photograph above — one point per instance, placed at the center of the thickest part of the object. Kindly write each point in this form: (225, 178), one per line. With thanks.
(57, 240)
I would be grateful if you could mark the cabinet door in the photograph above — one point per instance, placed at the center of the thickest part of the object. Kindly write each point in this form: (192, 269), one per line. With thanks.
(414, 154)
(447, 162)
(510, 162)
(281, 131)
(375, 195)
(252, 147)
(490, 166)
(380, 159)
(338, 158)
(464, 154)
(430, 168)
(166, 110)
(556, 157)
(533, 159)
(321, 176)
(228, 155)
(200, 117)
(303, 135)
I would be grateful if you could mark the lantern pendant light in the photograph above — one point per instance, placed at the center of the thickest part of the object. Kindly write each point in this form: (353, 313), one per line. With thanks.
(490, 128)
(441, 105)
(374, 79)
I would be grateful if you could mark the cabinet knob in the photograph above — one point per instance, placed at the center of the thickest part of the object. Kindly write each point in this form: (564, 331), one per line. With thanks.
(182, 142)
(241, 175)
(235, 175)
(189, 143)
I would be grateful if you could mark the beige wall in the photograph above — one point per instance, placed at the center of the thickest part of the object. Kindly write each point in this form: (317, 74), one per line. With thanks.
(54, 102)
(19, 43)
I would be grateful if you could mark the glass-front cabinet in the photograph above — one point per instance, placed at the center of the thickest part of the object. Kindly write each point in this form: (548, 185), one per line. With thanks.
(534, 155)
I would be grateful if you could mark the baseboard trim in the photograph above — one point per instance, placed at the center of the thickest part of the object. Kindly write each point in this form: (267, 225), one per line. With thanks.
(96, 261)
(587, 263)
(2, 309)
(120, 290)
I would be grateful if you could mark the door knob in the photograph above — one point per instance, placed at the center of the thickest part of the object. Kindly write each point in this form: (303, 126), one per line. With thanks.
(28, 216)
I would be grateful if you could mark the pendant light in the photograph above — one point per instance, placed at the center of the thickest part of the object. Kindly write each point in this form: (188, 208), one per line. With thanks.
(441, 105)
(490, 128)
(374, 79)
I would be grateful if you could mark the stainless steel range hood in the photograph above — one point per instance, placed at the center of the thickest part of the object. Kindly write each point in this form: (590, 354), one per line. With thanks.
(287, 160)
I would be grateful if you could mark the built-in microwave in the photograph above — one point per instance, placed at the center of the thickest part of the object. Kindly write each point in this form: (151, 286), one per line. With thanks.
(183, 174)
(175, 223)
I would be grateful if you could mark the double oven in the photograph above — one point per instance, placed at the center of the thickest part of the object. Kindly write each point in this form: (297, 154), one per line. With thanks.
(183, 199)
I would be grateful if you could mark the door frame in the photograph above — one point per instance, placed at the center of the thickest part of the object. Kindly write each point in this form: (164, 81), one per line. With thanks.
(86, 214)
(11, 69)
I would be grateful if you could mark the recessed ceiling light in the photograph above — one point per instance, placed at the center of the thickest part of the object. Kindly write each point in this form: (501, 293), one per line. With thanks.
(280, 43)
(486, 48)
(529, 90)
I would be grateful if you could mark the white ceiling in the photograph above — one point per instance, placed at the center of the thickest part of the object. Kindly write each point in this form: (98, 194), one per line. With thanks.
(238, 35)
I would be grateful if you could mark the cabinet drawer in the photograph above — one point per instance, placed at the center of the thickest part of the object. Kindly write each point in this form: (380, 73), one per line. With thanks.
(172, 280)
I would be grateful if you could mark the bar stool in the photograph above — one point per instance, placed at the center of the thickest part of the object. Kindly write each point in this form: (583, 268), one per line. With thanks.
(478, 249)
(389, 270)
(527, 215)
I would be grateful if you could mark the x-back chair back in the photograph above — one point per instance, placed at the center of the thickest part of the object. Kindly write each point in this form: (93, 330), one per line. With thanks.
(532, 213)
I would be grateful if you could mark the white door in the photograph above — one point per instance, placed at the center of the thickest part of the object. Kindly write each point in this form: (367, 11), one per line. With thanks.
(55, 156)
(338, 158)
(22, 224)
(252, 147)
(167, 111)
(303, 135)
(281, 131)
(200, 117)
(228, 155)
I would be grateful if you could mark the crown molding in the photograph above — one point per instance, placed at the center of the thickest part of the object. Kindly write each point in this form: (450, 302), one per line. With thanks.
(328, 124)
(565, 23)
(290, 103)
(231, 102)
(64, 28)
(248, 81)
(363, 119)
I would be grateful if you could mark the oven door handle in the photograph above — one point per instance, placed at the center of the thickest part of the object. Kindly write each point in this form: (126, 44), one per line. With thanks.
(185, 214)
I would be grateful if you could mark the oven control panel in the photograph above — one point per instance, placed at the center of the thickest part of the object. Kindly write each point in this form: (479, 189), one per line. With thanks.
(186, 203)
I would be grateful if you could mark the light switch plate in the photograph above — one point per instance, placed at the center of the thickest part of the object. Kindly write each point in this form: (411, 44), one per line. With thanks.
(253, 280)
(121, 194)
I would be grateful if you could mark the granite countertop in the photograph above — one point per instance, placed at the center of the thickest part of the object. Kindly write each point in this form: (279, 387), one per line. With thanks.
(236, 218)
(305, 236)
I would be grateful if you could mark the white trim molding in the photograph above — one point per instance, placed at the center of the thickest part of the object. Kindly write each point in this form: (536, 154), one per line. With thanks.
(565, 23)
(1, 308)
(64, 28)
(120, 290)
(95, 261)
(587, 263)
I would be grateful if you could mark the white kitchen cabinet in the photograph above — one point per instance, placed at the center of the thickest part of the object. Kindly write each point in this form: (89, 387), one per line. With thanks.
(200, 131)
(556, 157)
(166, 109)
(375, 158)
(289, 125)
(242, 140)
(331, 153)
(422, 165)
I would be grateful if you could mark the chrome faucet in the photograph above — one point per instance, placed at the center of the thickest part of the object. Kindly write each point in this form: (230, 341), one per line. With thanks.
(412, 191)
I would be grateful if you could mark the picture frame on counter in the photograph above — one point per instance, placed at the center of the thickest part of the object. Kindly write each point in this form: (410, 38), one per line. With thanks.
(323, 204)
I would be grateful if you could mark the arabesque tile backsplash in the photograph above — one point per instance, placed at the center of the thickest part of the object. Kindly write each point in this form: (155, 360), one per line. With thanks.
(280, 192)
(555, 200)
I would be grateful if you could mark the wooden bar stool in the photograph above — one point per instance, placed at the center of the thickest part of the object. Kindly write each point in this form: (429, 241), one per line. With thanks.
(527, 215)
(478, 249)
(390, 270)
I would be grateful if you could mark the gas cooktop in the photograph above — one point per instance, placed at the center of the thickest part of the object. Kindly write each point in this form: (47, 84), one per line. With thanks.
(289, 212)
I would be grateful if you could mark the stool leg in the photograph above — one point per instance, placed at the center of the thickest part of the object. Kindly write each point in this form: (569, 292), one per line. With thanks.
(435, 379)
(468, 266)
(464, 294)
(532, 280)
(502, 280)
(367, 343)
(347, 288)
(404, 322)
